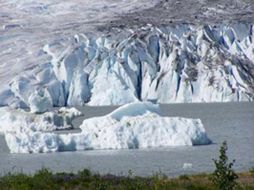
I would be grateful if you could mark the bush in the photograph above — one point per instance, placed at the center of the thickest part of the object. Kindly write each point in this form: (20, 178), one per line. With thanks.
(252, 170)
(224, 177)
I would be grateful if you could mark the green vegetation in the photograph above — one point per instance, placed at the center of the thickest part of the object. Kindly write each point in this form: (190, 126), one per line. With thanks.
(46, 180)
(223, 178)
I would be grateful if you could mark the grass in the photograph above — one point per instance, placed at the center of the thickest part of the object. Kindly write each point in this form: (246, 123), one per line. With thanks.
(44, 179)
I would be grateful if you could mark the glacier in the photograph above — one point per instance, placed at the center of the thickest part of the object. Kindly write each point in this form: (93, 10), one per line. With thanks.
(174, 64)
(135, 125)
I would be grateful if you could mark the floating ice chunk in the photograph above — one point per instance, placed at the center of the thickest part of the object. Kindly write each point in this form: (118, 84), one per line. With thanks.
(31, 143)
(187, 166)
(137, 125)
(20, 121)
(143, 131)
(136, 132)
(71, 112)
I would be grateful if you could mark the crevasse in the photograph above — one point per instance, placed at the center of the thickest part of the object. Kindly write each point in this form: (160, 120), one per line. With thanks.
(184, 63)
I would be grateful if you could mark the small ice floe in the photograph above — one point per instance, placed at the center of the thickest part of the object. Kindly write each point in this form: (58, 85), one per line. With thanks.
(187, 166)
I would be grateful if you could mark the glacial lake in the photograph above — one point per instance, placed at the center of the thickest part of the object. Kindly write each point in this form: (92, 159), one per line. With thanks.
(233, 122)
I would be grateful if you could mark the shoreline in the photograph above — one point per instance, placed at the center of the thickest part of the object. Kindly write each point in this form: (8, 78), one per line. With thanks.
(45, 179)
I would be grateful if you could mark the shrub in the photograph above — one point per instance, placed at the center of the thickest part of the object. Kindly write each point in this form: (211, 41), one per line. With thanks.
(224, 176)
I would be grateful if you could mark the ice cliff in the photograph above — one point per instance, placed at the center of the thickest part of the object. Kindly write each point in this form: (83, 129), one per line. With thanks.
(135, 125)
(184, 63)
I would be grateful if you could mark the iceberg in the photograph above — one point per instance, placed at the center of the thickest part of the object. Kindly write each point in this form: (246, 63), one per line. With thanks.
(19, 121)
(136, 125)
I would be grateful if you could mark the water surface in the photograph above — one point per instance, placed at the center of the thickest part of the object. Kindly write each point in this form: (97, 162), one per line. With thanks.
(233, 122)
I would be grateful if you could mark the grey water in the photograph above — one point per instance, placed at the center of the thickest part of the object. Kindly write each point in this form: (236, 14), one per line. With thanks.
(233, 122)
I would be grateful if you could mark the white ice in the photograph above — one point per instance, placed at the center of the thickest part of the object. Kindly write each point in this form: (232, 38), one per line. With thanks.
(136, 125)
(19, 121)
(178, 64)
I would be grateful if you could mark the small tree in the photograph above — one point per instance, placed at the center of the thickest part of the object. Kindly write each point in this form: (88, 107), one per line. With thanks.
(224, 177)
